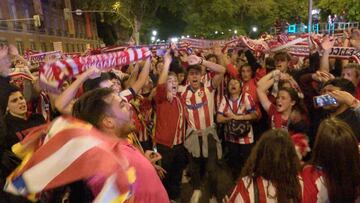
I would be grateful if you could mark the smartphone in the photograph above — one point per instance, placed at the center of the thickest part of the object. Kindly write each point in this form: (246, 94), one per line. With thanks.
(160, 52)
(324, 100)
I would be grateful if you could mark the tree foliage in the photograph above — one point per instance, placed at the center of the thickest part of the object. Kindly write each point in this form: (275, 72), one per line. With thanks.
(351, 7)
(204, 17)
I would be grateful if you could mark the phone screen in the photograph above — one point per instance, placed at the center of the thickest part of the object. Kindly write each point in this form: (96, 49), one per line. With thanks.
(324, 100)
(160, 52)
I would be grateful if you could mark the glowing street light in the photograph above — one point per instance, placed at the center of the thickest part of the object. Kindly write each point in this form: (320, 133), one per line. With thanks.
(216, 32)
(152, 38)
(154, 32)
(235, 31)
(174, 39)
(187, 36)
(254, 29)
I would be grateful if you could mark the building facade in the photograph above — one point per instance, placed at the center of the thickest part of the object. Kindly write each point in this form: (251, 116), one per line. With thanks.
(59, 30)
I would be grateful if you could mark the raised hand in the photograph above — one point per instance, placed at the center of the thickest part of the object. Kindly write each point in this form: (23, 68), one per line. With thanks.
(343, 97)
(92, 73)
(167, 57)
(193, 60)
(328, 43)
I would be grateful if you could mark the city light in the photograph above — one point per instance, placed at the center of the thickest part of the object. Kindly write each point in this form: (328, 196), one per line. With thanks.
(174, 39)
(254, 29)
(154, 32)
(116, 5)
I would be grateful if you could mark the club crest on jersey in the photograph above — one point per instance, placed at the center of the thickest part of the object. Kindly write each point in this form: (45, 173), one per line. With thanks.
(201, 93)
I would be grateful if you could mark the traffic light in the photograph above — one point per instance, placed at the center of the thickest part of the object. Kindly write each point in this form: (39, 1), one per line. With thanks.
(37, 20)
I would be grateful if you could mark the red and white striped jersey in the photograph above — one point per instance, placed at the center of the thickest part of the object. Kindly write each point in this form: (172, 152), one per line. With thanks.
(314, 185)
(199, 105)
(220, 90)
(243, 105)
(244, 191)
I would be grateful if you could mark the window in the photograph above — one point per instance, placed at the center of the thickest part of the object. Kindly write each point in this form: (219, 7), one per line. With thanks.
(67, 48)
(12, 9)
(3, 42)
(20, 47)
(43, 46)
(32, 45)
(51, 46)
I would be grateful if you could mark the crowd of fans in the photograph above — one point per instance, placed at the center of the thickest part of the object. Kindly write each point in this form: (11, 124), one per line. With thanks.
(241, 128)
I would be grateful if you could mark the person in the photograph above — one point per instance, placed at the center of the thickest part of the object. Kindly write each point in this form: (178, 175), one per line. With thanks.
(271, 174)
(333, 175)
(93, 78)
(110, 113)
(351, 72)
(170, 129)
(18, 122)
(5, 63)
(201, 140)
(287, 113)
(239, 106)
(342, 110)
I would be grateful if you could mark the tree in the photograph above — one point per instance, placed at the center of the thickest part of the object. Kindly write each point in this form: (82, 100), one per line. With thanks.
(132, 14)
(351, 7)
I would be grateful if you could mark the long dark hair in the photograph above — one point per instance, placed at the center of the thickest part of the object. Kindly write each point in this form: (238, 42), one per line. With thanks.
(274, 158)
(336, 152)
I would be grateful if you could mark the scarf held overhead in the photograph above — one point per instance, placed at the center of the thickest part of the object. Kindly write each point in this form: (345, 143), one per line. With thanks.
(52, 75)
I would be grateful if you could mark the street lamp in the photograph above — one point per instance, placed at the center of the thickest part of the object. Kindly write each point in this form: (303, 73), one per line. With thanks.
(187, 36)
(174, 39)
(216, 32)
(254, 29)
(235, 31)
(152, 38)
(154, 32)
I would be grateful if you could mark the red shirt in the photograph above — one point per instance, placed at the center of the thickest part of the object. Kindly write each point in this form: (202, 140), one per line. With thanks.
(170, 119)
(357, 91)
(275, 118)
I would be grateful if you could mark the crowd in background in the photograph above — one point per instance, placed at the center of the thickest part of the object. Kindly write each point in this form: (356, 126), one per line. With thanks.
(241, 127)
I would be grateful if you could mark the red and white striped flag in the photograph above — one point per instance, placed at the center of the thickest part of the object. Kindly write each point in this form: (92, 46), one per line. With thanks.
(71, 151)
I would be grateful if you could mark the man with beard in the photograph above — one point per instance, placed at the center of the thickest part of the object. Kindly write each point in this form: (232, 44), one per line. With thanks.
(111, 114)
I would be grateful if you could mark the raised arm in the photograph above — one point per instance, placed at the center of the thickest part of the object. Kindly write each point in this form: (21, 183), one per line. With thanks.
(142, 77)
(218, 69)
(263, 85)
(64, 100)
(327, 45)
(165, 71)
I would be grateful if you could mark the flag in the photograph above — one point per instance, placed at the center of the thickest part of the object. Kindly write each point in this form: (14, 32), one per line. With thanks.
(71, 150)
